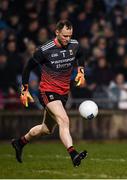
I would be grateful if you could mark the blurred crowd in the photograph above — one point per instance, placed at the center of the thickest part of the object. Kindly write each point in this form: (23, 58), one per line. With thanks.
(99, 25)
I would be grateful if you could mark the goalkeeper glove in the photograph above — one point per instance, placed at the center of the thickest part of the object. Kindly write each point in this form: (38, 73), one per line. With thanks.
(80, 79)
(25, 96)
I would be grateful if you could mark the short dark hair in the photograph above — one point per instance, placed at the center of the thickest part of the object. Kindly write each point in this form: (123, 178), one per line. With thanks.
(63, 23)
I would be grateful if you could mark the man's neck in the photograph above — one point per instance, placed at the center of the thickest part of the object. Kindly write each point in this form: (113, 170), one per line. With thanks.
(57, 42)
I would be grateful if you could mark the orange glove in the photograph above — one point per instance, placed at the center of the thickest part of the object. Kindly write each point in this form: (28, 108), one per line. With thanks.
(25, 96)
(80, 80)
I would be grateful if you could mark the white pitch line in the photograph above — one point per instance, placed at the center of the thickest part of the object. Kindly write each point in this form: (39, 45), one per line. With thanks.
(6, 155)
(73, 175)
(48, 171)
(109, 159)
(86, 175)
(57, 156)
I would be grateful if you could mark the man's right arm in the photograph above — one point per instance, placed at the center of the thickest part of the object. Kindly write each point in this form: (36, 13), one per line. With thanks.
(31, 64)
(35, 60)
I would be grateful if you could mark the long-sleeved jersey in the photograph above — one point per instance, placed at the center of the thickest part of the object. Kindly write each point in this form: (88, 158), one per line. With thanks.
(56, 65)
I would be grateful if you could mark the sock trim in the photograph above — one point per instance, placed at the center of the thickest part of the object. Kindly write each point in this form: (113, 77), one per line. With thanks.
(70, 149)
(24, 140)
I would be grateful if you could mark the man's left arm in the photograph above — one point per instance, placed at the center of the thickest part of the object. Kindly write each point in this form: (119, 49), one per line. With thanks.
(80, 77)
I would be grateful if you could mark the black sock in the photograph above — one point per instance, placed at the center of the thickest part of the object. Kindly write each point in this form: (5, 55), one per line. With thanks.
(23, 141)
(72, 152)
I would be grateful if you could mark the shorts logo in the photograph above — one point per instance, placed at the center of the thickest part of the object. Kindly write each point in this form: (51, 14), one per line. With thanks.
(51, 97)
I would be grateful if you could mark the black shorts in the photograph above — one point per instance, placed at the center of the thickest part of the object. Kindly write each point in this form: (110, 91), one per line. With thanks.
(46, 97)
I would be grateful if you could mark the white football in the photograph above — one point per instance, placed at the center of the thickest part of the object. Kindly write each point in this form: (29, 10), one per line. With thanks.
(88, 109)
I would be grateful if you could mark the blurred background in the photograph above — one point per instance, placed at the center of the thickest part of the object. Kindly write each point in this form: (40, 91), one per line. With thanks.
(100, 26)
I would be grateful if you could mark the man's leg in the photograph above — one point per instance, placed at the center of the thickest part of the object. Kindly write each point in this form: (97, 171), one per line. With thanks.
(36, 131)
(62, 119)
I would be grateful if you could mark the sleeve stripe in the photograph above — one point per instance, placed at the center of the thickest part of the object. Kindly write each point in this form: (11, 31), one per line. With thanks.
(49, 45)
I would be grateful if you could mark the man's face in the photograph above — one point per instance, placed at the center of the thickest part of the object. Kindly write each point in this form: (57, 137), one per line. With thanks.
(64, 35)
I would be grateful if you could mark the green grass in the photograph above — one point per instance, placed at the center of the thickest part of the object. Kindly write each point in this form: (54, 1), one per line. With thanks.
(48, 160)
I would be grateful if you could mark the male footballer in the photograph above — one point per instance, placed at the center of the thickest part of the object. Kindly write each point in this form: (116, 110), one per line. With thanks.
(57, 58)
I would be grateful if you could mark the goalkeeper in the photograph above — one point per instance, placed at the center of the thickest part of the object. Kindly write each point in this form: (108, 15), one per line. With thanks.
(57, 58)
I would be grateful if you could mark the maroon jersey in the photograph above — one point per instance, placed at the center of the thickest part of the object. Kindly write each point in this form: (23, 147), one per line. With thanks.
(56, 65)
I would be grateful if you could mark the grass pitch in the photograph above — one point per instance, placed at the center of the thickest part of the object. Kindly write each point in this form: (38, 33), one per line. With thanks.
(49, 160)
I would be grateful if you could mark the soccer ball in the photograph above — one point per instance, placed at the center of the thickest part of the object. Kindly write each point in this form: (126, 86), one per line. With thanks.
(88, 109)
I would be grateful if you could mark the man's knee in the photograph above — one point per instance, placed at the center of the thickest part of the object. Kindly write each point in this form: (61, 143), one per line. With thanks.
(45, 129)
